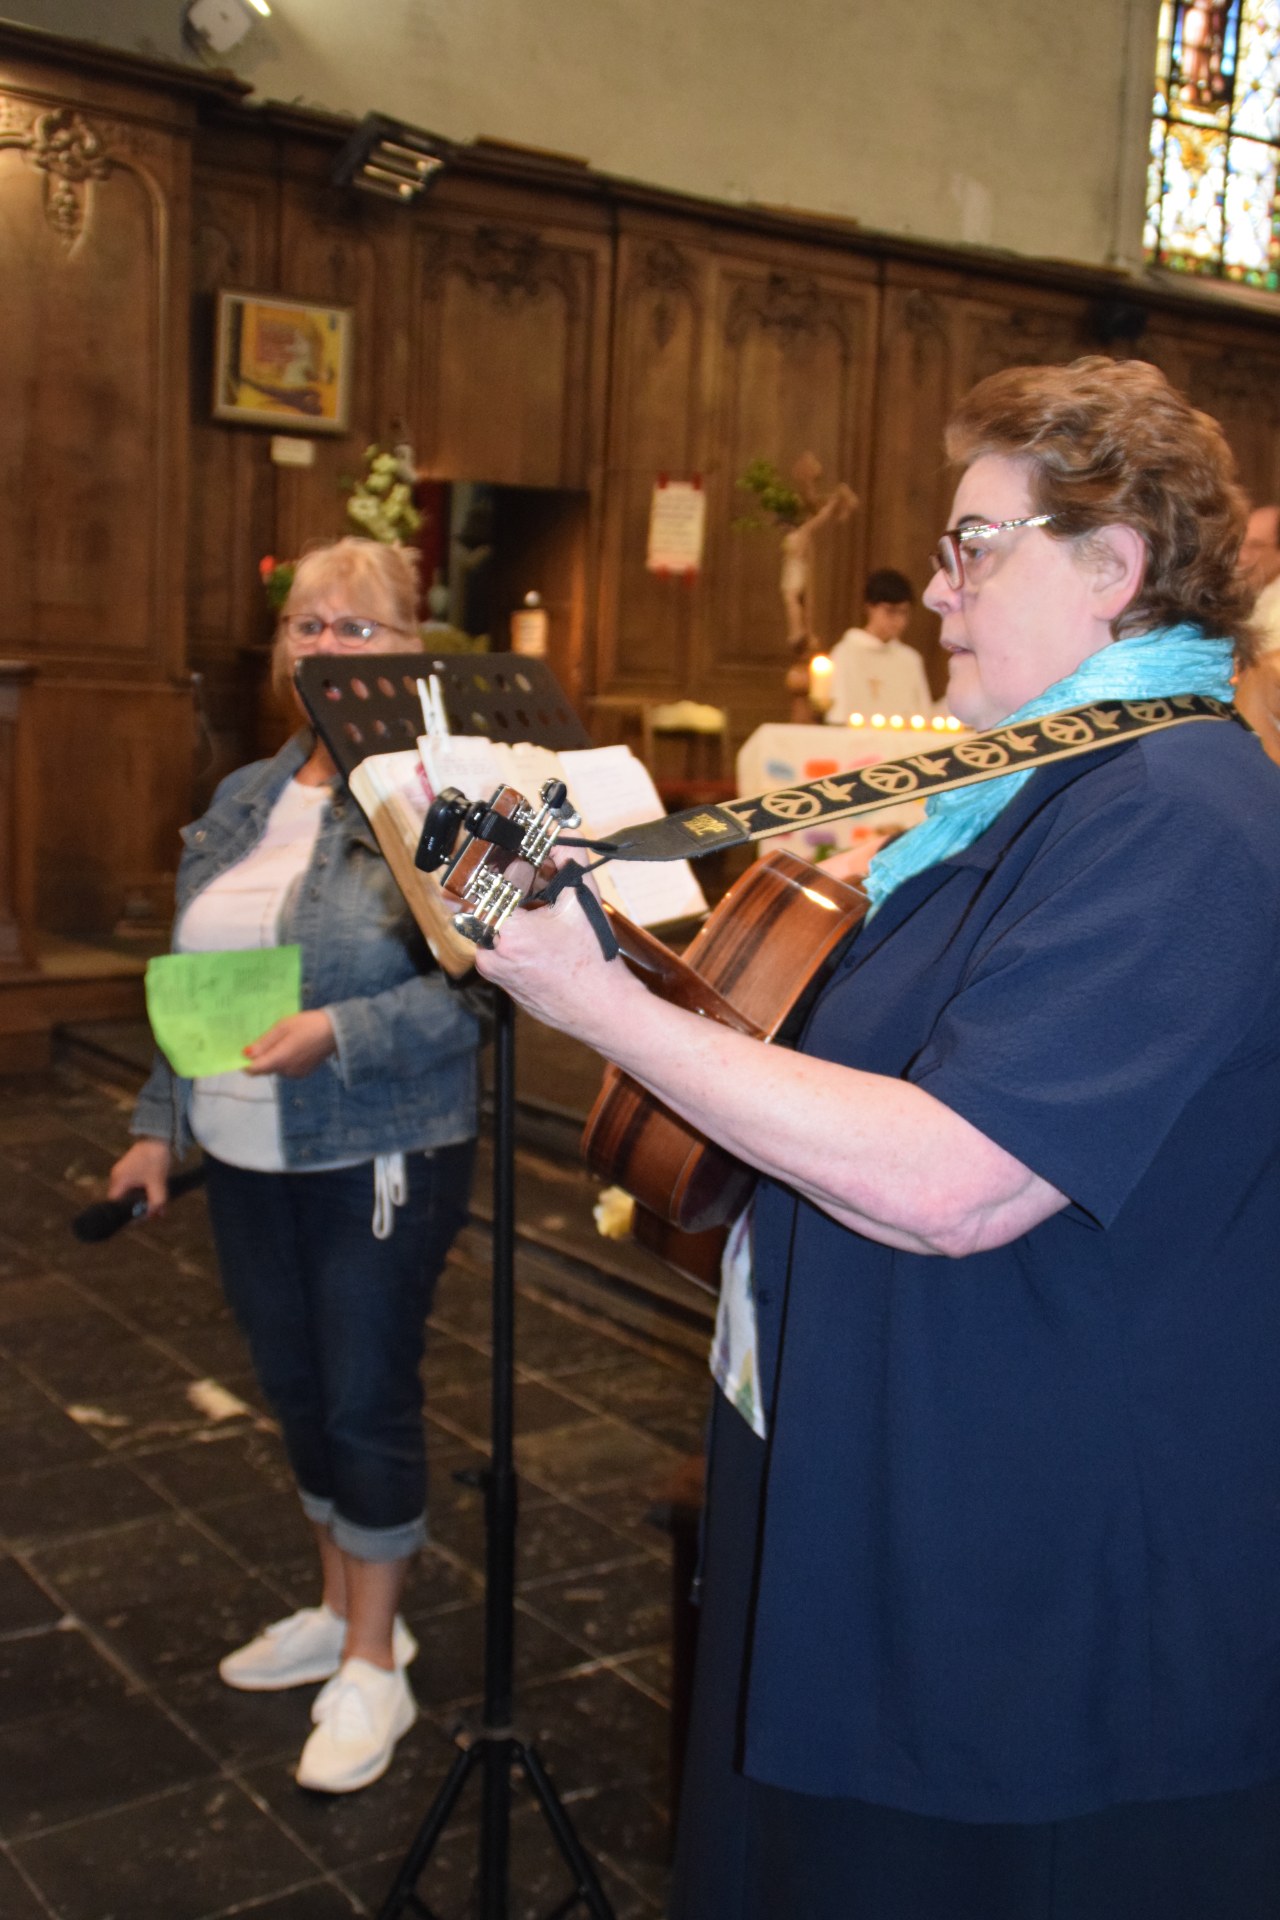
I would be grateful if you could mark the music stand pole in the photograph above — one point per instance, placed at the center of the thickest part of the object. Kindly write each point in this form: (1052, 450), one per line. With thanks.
(495, 1746)
(361, 706)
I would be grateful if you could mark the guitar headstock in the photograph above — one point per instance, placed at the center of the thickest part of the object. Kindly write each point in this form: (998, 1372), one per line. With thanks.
(504, 853)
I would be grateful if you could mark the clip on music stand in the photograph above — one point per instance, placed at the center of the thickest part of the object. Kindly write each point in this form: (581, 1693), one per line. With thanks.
(365, 705)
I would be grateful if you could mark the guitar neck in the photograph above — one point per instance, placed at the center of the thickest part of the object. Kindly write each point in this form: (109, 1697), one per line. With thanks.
(666, 975)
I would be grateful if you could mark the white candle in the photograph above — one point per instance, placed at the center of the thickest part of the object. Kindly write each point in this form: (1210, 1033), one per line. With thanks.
(820, 690)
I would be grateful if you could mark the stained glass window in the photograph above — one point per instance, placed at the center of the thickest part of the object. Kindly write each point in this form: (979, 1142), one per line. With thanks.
(1213, 188)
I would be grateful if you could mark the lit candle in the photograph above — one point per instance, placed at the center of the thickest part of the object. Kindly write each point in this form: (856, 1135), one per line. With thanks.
(917, 721)
(877, 719)
(895, 719)
(855, 720)
(820, 688)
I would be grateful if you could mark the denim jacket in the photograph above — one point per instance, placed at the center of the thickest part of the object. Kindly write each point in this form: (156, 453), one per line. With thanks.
(403, 1076)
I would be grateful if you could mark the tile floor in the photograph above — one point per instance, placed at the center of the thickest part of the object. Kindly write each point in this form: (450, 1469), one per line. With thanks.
(146, 1527)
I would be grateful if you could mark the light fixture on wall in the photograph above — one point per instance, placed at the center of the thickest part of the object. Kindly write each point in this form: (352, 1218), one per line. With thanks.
(222, 24)
(390, 159)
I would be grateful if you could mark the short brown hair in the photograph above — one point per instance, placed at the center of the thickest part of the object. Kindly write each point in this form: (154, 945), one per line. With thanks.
(379, 581)
(1111, 443)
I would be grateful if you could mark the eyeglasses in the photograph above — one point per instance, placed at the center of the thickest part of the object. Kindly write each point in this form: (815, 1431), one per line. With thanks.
(346, 630)
(959, 545)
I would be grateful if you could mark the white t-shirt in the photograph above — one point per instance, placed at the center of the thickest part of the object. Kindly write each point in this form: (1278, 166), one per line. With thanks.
(1266, 614)
(876, 676)
(236, 1116)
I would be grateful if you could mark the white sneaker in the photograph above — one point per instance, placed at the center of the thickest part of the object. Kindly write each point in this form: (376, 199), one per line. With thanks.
(299, 1651)
(404, 1651)
(291, 1653)
(368, 1711)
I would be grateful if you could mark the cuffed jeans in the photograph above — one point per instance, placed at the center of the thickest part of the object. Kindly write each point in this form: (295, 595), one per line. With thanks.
(335, 1324)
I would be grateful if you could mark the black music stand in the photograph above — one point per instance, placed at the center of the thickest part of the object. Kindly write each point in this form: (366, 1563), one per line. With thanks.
(370, 704)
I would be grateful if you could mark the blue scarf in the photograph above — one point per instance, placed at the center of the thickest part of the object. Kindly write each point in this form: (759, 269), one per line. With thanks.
(1149, 666)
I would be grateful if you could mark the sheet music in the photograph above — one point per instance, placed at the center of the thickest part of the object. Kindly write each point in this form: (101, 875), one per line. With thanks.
(392, 790)
(608, 786)
(612, 789)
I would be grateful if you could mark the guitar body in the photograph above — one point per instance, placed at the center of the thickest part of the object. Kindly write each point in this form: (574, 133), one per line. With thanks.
(763, 954)
(754, 967)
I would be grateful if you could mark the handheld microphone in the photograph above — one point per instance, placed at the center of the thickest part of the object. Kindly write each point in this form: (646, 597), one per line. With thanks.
(106, 1217)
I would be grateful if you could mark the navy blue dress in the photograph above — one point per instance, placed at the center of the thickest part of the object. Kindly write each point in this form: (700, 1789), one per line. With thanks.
(1015, 1557)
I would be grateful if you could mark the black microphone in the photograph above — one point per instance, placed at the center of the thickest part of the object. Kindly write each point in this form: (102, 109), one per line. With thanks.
(106, 1217)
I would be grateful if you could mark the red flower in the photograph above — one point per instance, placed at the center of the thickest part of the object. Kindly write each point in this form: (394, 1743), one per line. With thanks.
(267, 565)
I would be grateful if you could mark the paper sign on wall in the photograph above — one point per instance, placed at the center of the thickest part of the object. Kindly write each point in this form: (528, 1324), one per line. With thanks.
(677, 522)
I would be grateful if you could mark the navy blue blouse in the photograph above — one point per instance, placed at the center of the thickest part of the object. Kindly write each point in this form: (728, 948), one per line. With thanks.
(1021, 1540)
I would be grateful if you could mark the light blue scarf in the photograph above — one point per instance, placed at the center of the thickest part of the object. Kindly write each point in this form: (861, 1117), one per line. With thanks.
(1149, 666)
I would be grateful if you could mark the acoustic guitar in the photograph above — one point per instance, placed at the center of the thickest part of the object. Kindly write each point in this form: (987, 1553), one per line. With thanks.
(755, 965)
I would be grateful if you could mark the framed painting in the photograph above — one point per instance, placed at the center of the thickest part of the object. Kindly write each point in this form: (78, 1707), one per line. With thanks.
(282, 363)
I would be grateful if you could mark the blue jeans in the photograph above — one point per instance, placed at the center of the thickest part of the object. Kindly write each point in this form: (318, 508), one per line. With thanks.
(335, 1324)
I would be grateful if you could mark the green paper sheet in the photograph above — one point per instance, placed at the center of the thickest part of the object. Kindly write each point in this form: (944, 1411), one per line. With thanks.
(205, 1008)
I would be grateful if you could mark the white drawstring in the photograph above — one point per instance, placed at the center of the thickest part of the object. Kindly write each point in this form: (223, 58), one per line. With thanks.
(390, 1190)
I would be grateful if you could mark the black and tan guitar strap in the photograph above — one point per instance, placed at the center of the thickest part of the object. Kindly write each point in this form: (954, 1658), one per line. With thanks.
(890, 783)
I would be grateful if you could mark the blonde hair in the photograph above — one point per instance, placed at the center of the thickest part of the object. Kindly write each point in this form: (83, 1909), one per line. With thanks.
(378, 582)
(1109, 443)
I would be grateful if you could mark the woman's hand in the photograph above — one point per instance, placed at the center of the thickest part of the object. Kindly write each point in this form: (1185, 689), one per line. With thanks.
(550, 962)
(294, 1047)
(145, 1165)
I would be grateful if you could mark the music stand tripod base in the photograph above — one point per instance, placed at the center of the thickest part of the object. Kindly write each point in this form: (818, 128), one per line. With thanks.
(506, 697)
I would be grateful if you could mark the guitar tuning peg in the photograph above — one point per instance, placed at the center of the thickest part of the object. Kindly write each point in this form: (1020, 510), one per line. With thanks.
(555, 799)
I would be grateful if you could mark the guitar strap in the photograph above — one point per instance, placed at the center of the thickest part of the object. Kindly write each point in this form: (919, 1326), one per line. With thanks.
(839, 796)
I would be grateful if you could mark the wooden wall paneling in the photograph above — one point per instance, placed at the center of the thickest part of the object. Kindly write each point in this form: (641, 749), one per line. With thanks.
(92, 444)
(333, 249)
(647, 623)
(510, 343)
(235, 235)
(1240, 387)
(94, 226)
(234, 244)
(911, 486)
(109, 831)
(17, 819)
(795, 356)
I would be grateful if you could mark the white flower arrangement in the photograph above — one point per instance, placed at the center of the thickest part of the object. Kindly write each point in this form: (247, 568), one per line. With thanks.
(381, 503)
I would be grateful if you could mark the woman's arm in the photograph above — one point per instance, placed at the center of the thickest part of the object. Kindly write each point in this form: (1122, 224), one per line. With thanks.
(881, 1156)
(402, 1030)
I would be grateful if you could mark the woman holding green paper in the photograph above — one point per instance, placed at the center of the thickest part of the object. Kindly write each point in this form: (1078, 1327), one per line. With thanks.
(339, 1161)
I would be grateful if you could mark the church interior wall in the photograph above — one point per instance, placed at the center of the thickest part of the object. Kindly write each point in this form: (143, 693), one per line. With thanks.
(1005, 126)
(532, 323)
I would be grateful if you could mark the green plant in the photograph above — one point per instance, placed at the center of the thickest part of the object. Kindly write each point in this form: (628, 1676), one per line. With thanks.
(277, 578)
(783, 503)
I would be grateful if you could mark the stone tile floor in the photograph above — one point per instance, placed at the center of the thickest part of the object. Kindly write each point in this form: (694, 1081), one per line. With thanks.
(146, 1526)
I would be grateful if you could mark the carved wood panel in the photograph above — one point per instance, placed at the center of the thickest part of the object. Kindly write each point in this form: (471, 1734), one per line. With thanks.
(794, 358)
(234, 221)
(508, 359)
(92, 452)
(333, 250)
(647, 622)
(94, 211)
